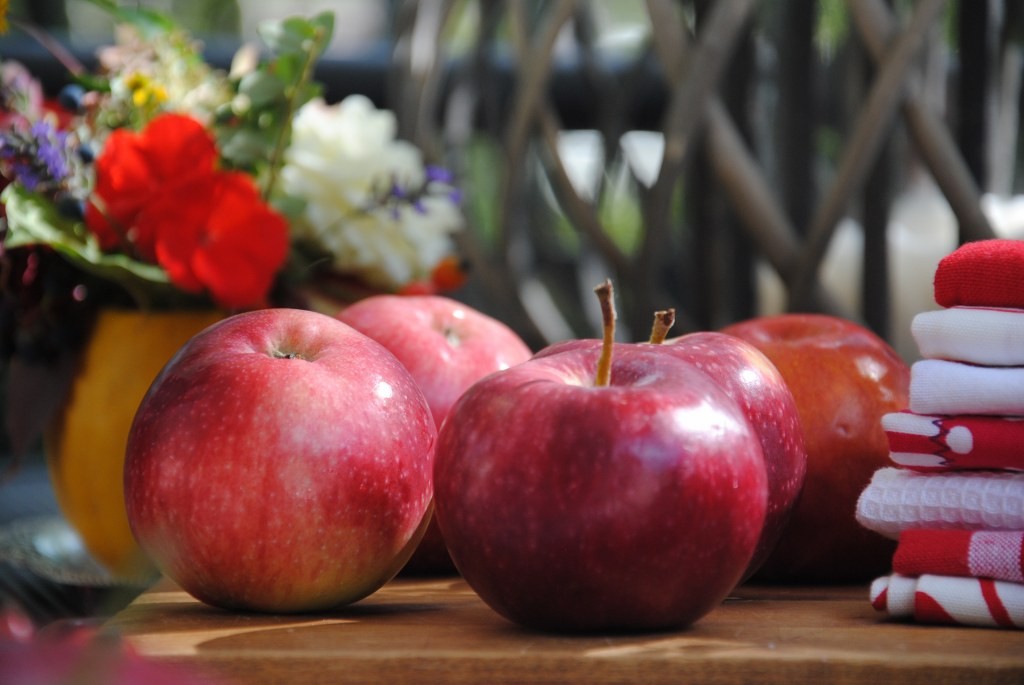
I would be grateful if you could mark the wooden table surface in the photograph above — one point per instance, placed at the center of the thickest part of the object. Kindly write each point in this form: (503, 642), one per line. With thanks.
(438, 631)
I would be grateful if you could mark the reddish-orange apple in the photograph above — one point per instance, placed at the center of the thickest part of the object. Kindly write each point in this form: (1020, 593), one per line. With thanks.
(843, 378)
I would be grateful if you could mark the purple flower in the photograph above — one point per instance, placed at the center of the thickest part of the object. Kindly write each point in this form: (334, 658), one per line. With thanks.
(437, 174)
(39, 160)
(52, 150)
(26, 174)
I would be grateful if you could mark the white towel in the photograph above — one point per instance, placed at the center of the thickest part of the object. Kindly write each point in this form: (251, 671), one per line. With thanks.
(979, 335)
(944, 387)
(899, 499)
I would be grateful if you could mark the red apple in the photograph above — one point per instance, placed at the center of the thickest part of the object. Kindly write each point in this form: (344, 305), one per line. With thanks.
(281, 461)
(626, 498)
(749, 378)
(844, 378)
(756, 385)
(446, 346)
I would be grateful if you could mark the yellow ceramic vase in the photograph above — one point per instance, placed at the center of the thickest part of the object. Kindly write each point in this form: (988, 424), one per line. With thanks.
(85, 446)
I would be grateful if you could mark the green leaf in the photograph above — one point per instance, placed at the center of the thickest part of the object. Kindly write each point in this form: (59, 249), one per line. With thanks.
(244, 147)
(298, 36)
(289, 68)
(289, 206)
(284, 37)
(32, 220)
(150, 22)
(261, 88)
(324, 25)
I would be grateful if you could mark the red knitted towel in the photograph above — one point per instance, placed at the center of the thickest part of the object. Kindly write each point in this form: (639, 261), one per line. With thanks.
(937, 442)
(983, 273)
(975, 553)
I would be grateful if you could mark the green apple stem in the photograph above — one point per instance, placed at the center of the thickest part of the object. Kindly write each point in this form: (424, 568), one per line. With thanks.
(605, 295)
(664, 319)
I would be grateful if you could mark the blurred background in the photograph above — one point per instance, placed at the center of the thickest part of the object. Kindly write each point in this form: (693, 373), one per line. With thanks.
(728, 158)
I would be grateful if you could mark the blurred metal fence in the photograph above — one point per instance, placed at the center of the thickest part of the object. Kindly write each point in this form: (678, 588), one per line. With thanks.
(740, 93)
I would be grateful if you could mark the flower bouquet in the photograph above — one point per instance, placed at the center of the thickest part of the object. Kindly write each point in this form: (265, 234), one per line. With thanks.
(159, 183)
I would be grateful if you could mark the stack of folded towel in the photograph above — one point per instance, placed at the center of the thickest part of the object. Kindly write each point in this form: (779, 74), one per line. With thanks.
(954, 497)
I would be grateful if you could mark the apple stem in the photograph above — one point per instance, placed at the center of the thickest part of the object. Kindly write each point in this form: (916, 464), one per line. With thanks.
(605, 295)
(663, 322)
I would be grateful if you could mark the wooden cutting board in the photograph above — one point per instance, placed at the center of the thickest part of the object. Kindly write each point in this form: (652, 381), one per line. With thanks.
(438, 631)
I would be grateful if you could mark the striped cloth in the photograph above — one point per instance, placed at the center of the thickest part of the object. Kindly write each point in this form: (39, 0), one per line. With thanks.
(937, 442)
(950, 600)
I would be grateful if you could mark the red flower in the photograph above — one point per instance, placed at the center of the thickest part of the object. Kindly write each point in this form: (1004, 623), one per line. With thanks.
(160, 197)
(223, 239)
(138, 170)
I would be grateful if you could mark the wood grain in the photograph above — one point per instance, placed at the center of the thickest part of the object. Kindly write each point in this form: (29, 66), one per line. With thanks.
(436, 631)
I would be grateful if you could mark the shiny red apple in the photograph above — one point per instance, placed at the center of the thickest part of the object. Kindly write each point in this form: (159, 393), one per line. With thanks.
(594, 489)
(844, 378)
(446, 346)
(281, 461)
(748, 377)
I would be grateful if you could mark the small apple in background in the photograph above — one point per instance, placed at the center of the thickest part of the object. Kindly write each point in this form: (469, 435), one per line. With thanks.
(844, 378)
(446, 346)
(281, 461)
(591, 489)
(749, 378)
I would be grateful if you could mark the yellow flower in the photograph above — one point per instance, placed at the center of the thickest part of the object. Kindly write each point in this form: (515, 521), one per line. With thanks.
(144, 91)
(4, 6)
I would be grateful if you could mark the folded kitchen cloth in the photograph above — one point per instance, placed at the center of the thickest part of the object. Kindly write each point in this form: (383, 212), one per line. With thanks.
(986, 273)
(940, 442)
(938, 386)
(995, 554)
(900, 499)
(950, 600)
(979, 335)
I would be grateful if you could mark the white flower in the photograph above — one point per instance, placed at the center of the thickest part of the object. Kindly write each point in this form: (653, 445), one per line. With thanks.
(370, 202)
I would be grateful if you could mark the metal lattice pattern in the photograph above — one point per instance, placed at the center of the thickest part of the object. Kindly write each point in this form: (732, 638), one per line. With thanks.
(713, 209)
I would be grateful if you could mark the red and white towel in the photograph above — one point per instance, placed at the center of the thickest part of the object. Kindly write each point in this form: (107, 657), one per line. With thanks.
(950, 600)
(900, 499)
(938, 442)
(977, 335)
(955, 498)
(970, 553)
(939, 386)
